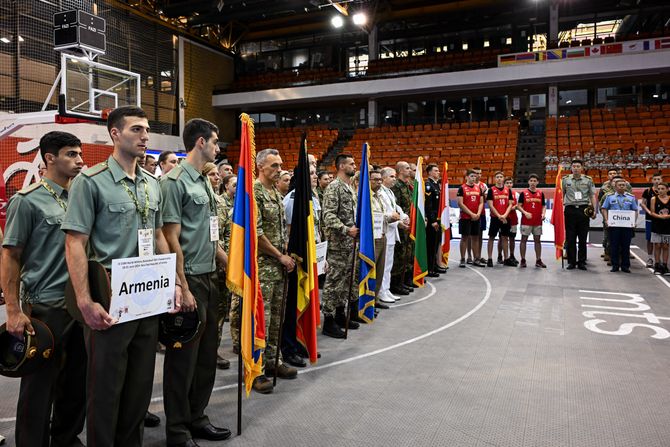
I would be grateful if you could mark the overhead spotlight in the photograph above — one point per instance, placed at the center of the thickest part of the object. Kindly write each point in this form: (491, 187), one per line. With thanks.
(655, 95)
(21, 39)
(569, 101)
(464, 46)
(337, 21)
(360, 19)
(487, 44)
(4, 40)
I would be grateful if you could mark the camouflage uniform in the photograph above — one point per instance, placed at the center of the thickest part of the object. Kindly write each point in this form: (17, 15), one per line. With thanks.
(338, 215)
(224, 213)
(319, 193)
(271, 223)
(404, 249)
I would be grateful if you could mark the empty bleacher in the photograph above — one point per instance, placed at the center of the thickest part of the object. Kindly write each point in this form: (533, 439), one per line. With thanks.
(490, 145)
(287, 142)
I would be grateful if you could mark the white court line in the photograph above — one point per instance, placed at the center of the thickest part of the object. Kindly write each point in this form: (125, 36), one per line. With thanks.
(430, 295)
(644, 264)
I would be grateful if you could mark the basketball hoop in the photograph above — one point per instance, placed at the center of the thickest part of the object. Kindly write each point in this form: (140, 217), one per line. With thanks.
(105, 113)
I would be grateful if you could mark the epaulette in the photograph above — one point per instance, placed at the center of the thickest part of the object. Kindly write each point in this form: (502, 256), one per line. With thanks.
(30, 188)
(174, 173)
(95, 170)
(145, 172)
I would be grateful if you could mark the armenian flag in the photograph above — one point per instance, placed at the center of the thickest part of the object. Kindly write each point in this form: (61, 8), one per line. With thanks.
(557, 217)
(242, 276)
(418, 226)
(444, 215)
(366, 253)
(302, 302)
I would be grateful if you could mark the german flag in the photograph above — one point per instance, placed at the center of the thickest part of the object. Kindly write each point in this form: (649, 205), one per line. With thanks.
(302, 303)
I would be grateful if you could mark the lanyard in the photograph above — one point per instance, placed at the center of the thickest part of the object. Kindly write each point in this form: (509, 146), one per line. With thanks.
(54, 194)
(144, 212)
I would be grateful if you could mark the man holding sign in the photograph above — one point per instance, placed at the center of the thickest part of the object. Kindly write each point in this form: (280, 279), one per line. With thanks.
(620, 212)
(112, 214)
(192, 232)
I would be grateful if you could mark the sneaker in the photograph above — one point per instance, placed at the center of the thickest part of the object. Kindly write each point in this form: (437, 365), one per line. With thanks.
(650, 262)
(478, 263)
(540, 264)
(523, 263)
(509, 263)
(263, 385)
(658, 269)
(500, 260)
(469, 261)
(462, 264)
(489, 263)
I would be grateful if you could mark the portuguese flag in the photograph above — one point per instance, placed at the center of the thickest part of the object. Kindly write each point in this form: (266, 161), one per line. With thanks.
(418, 226)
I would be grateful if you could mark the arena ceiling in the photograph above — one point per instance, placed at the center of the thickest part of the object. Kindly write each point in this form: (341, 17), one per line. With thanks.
(227, 23)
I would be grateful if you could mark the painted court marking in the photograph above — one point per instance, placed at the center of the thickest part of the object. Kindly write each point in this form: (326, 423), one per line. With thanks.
(430, 295)
(644, 264)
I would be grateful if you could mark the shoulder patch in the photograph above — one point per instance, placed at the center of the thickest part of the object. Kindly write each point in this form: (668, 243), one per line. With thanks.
(95, 170)
(30, 188)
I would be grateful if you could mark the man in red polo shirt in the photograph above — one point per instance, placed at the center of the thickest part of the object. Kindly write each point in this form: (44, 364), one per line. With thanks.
(533, 207)
(499, 199)
(471, 204)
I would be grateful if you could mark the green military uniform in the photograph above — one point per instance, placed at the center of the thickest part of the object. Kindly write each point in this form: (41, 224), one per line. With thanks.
(404, 249)
(319, 193)
(338, 211)
(120, 359)
(189, 372)
(224, 214)
(577, 195)
(34, 216)
(271, 223)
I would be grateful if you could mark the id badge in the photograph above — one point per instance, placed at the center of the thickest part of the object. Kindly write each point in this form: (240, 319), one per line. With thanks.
(578, 195)
(145, 242)
(213, 228)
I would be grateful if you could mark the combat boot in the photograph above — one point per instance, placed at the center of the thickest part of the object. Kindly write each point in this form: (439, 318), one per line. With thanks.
(331, 329)
(341, 320)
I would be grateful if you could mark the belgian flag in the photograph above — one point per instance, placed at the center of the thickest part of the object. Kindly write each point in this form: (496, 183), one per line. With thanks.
(302, 301)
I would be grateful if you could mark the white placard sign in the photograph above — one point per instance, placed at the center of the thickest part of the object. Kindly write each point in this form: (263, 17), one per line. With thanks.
(321, 251)
(142, 287)
(621, 219)
(377, 225)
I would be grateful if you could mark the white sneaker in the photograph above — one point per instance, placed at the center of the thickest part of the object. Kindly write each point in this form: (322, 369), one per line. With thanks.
(385, 298)
(650, 262)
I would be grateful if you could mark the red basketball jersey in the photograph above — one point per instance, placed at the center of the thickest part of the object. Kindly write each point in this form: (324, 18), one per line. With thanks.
(532, 203)
(471, 198)
(500, 198)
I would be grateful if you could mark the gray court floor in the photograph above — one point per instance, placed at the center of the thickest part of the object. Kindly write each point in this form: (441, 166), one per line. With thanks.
(485, 357)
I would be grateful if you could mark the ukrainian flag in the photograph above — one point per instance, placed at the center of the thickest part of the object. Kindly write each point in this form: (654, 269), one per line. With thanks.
(366, 254)
(242, 276)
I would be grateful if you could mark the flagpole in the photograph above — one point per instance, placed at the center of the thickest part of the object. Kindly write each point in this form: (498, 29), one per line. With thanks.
(281, 326)
(239, 371)
(351, 284)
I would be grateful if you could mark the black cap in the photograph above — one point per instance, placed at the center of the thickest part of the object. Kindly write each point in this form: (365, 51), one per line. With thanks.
(99, 285)
(19, 358)
(178, 329)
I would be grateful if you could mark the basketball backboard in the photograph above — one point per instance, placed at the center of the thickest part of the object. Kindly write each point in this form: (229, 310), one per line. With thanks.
(89, 89)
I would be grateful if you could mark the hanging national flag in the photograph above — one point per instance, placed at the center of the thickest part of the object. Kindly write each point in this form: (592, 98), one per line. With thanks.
(302, 317)
(366, 253)
(418, 226)
(663, 43)
(444, 215)
(242, 276)
(557, 217)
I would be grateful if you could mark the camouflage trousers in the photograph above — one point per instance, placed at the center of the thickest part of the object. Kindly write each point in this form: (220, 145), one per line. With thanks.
(336, 289)
(234, 318)
(403, 257)
(273, 294)
(223, 303)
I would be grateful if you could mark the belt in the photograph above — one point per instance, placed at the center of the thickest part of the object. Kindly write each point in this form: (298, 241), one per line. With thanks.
(577, 206)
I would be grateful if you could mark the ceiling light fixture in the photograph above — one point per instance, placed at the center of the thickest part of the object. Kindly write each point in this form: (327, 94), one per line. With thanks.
(337, 21)
(360, 19)
(4, 40)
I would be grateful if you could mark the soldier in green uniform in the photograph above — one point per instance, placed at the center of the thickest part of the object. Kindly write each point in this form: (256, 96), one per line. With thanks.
(578, 194)
(273, 262)
(191, 230)
(401, 274)
(223, 213)
(324, 179)
(108, 205)
(338, 212)
(33, 262)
